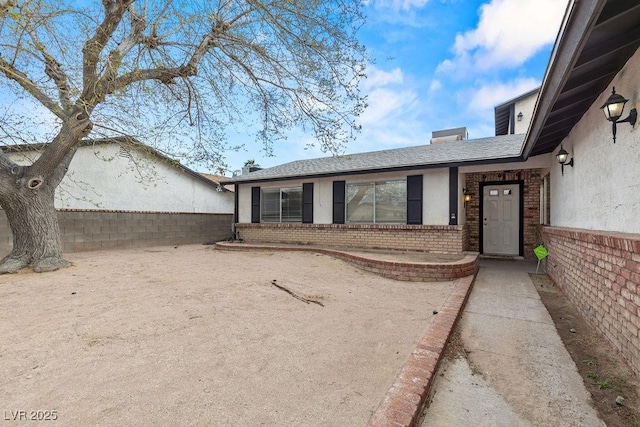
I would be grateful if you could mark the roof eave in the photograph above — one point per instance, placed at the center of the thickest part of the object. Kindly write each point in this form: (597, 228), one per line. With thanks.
(578, 22)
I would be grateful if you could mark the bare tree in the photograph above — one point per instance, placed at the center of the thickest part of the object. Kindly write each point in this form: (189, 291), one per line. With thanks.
(177, 75)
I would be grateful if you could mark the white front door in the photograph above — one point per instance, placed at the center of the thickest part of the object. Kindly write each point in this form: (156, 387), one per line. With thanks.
(501, 219)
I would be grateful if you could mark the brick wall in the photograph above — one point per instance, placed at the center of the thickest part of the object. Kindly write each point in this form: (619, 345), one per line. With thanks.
(433, 238)
(92, 230)
(600, 273)
(531, 226)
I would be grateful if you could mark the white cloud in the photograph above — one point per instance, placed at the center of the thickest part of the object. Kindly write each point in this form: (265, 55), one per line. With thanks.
(508, 34)
(377, 77)
(490, 95)
(435, 86)
(385, 104)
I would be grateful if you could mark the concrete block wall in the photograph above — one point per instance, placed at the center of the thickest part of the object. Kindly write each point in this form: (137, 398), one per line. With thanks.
(600, 273)
(531, 179)
(85, 230)
(432, 238)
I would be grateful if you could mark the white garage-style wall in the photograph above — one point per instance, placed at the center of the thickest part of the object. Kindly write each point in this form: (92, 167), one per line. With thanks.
(109, 176)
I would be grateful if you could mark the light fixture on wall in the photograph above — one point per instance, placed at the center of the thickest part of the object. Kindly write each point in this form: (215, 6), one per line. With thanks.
(613, 109)
(562, 157)
(466, 196)
(520, 116)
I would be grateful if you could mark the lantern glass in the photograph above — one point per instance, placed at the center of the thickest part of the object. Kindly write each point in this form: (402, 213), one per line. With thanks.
(562, 156)
(614, 106)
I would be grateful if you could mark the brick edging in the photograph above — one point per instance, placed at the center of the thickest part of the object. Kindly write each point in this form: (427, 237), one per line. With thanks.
(406, 398)
(397, 270)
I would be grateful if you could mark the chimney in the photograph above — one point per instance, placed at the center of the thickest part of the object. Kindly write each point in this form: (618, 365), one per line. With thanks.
(248, 169)
(449, 135)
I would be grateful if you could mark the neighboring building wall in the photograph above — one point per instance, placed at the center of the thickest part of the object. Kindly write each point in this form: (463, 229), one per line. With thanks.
(594, 241)
(107, 177)
(375, 236)
(92, 230)
(600, 273)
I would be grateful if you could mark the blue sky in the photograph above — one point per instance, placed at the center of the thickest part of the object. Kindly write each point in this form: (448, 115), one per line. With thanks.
(438, 64)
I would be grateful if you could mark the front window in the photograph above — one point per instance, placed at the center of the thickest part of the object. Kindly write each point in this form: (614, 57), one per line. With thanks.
(377, 202)
(281, 205)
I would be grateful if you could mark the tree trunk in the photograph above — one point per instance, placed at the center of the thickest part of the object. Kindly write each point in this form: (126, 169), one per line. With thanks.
(36, 233)
(28, 202)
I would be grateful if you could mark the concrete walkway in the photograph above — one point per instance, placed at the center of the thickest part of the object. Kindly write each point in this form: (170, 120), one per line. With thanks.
(517, 371)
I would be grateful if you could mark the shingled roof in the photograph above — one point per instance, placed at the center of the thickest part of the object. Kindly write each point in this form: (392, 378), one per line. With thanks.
(496, 149)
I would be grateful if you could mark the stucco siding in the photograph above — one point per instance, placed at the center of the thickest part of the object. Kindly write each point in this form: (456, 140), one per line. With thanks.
(435, 194)
(524, 106)
(110, 178)
(436, 197)
(602, 190)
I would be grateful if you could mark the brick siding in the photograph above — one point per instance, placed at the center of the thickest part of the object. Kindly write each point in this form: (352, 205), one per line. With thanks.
(600, 273)
(397, 270)
(432, 238)
(91, 230)
(531, 225)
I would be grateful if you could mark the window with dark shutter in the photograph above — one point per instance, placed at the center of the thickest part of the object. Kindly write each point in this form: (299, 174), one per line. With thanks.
(338, 202)
(414, 199)
(307, 203)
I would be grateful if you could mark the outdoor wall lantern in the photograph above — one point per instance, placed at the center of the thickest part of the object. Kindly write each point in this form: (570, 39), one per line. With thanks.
(613, 109)
(562, 157)
(520, 116)
(466, 195)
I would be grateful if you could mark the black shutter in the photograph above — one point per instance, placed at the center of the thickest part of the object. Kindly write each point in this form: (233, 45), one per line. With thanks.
(453, 196)
(307, 203)
(255, 204)
(338, 202)
(414, 199)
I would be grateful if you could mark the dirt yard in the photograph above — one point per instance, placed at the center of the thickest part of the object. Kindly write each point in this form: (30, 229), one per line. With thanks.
(194, 336)
(603, 370)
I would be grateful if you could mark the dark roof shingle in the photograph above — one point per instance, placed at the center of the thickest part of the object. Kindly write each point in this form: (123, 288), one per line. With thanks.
(466, 151)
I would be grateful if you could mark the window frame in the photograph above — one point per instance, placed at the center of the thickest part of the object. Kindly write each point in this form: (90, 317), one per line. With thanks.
(280, 191)
(375, 184)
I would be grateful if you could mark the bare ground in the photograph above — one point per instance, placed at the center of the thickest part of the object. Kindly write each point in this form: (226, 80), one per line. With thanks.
(605, 374)
(194, 336)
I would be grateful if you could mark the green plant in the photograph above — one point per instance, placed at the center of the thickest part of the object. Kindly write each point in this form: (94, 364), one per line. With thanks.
(603, 384)
(590, 362)
(591, 374)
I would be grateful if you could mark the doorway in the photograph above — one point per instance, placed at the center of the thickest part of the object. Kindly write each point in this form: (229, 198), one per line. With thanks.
(501, 216)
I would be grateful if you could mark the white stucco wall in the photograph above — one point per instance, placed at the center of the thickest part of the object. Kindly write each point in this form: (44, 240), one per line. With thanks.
(524, 106)
(435, 194)
(103, 177)
(602, 190)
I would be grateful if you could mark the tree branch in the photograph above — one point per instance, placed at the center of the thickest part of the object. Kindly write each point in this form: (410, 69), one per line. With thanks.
(106, 86)
(19, 77)
(73, 129)
(114, 59)
(114, 11)
(54, 70)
